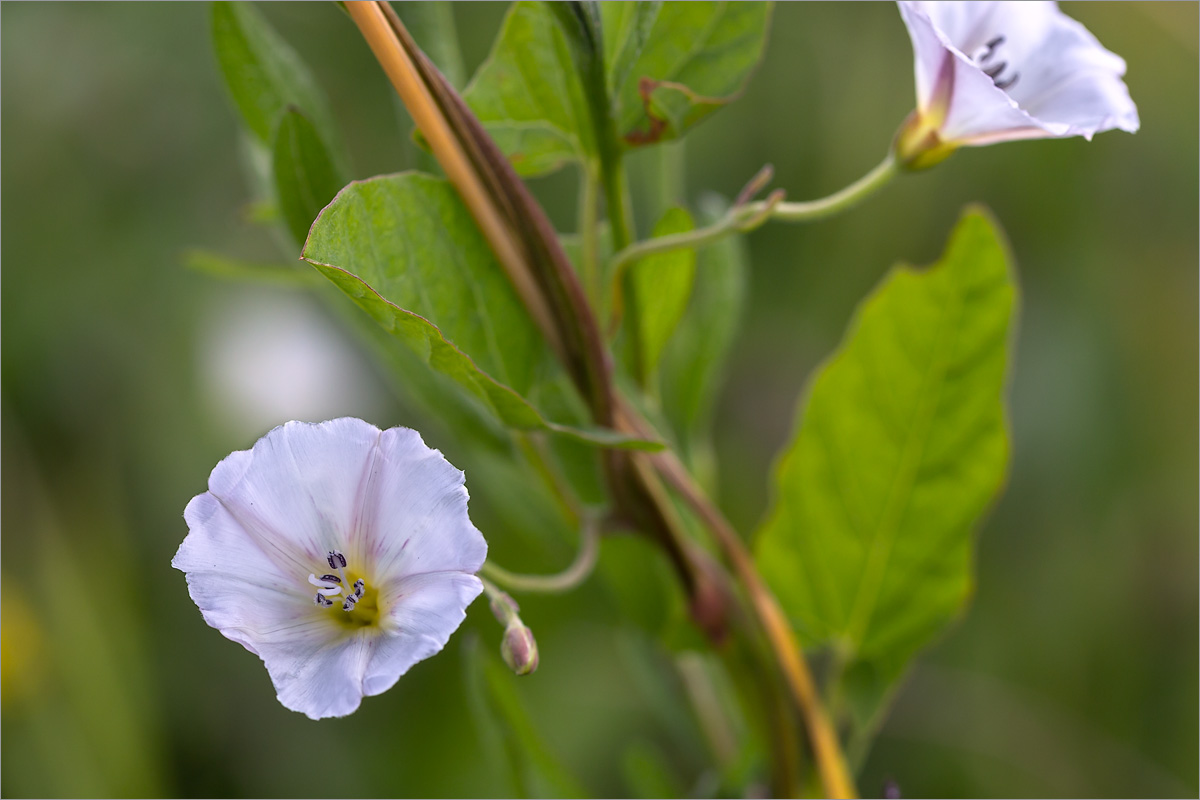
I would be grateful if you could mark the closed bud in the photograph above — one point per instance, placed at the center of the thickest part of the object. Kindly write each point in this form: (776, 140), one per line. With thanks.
(519, 648)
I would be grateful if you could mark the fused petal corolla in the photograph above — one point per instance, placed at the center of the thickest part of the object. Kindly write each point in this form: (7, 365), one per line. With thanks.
(338, 553)
(994, 71)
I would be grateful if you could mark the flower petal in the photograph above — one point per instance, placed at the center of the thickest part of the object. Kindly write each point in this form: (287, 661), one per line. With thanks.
(239, 588)
(298, 492)
(423, 610)
(322, 677)
(1062, 82)
(415, 520)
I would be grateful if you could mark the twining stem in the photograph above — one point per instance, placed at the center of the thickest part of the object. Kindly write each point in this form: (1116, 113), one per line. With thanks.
(745, 216)
(572, 576)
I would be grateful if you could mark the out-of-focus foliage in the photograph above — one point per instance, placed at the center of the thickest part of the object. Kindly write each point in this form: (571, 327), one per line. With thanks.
(661, 286)
(1076, 671)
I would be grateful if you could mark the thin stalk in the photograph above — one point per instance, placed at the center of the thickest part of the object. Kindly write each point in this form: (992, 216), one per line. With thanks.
(746, 216)
(571, 577)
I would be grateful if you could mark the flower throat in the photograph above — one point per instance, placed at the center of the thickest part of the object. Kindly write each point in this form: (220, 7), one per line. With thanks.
(358, 607)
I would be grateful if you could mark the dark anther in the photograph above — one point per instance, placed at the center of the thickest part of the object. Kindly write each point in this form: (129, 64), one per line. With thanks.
(1006, 83)
(322, 600)
(335, 558)
(332, 563)
(333, 578)
(359, 586)
(994, 71)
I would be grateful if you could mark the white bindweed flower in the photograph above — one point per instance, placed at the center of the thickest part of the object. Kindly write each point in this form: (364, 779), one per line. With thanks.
(339, 554)
(996, 71)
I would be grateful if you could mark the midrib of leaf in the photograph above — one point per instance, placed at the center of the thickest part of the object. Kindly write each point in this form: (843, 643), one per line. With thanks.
(880, 551)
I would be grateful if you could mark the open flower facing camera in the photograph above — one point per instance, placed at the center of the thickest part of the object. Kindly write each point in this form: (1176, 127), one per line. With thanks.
(996, 71)
(579, 370)
(338, 553)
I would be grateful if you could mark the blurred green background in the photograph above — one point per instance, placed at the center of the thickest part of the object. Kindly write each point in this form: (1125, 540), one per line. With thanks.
(126, 377)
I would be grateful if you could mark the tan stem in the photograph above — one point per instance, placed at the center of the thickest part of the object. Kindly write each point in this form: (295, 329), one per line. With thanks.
(827, 750)
(406, 79)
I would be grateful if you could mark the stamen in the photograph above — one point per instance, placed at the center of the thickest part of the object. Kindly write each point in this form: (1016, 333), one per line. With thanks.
(322, 600)
(1006, 83)
(359, 587)
(349, 603)
(995, 70)
(333, 578)
(336, 559)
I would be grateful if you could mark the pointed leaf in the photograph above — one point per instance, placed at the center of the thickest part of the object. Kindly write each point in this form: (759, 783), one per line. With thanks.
(263, 73)
(407, 251)
(901, 448)
(694, 360)
(306, 178)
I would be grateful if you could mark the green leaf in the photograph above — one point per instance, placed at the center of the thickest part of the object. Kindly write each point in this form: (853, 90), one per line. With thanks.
(408, 252)
(667, 65)
(294, 275)
(900, 450)
(507, 733)
(692, 58)
(306, 178)
(529, 96)
(694, 360)
(661, 285)
(263, 73)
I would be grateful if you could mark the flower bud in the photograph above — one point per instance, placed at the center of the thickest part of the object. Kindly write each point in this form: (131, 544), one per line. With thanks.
(519, 648)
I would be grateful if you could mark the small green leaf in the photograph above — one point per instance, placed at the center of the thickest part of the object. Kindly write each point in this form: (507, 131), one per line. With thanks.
(667, 66)
(529, 96)
(408, 252)
(661, 285)
(901, 448)
(694, 360)
(263, 73)
(693, 364)
(690, 60)
(306, 178)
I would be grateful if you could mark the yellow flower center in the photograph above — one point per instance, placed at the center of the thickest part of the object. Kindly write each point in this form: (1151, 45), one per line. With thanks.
(345, 594)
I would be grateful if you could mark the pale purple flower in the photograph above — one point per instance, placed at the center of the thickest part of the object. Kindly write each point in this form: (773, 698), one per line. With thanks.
(339, 554)
(995, 71)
